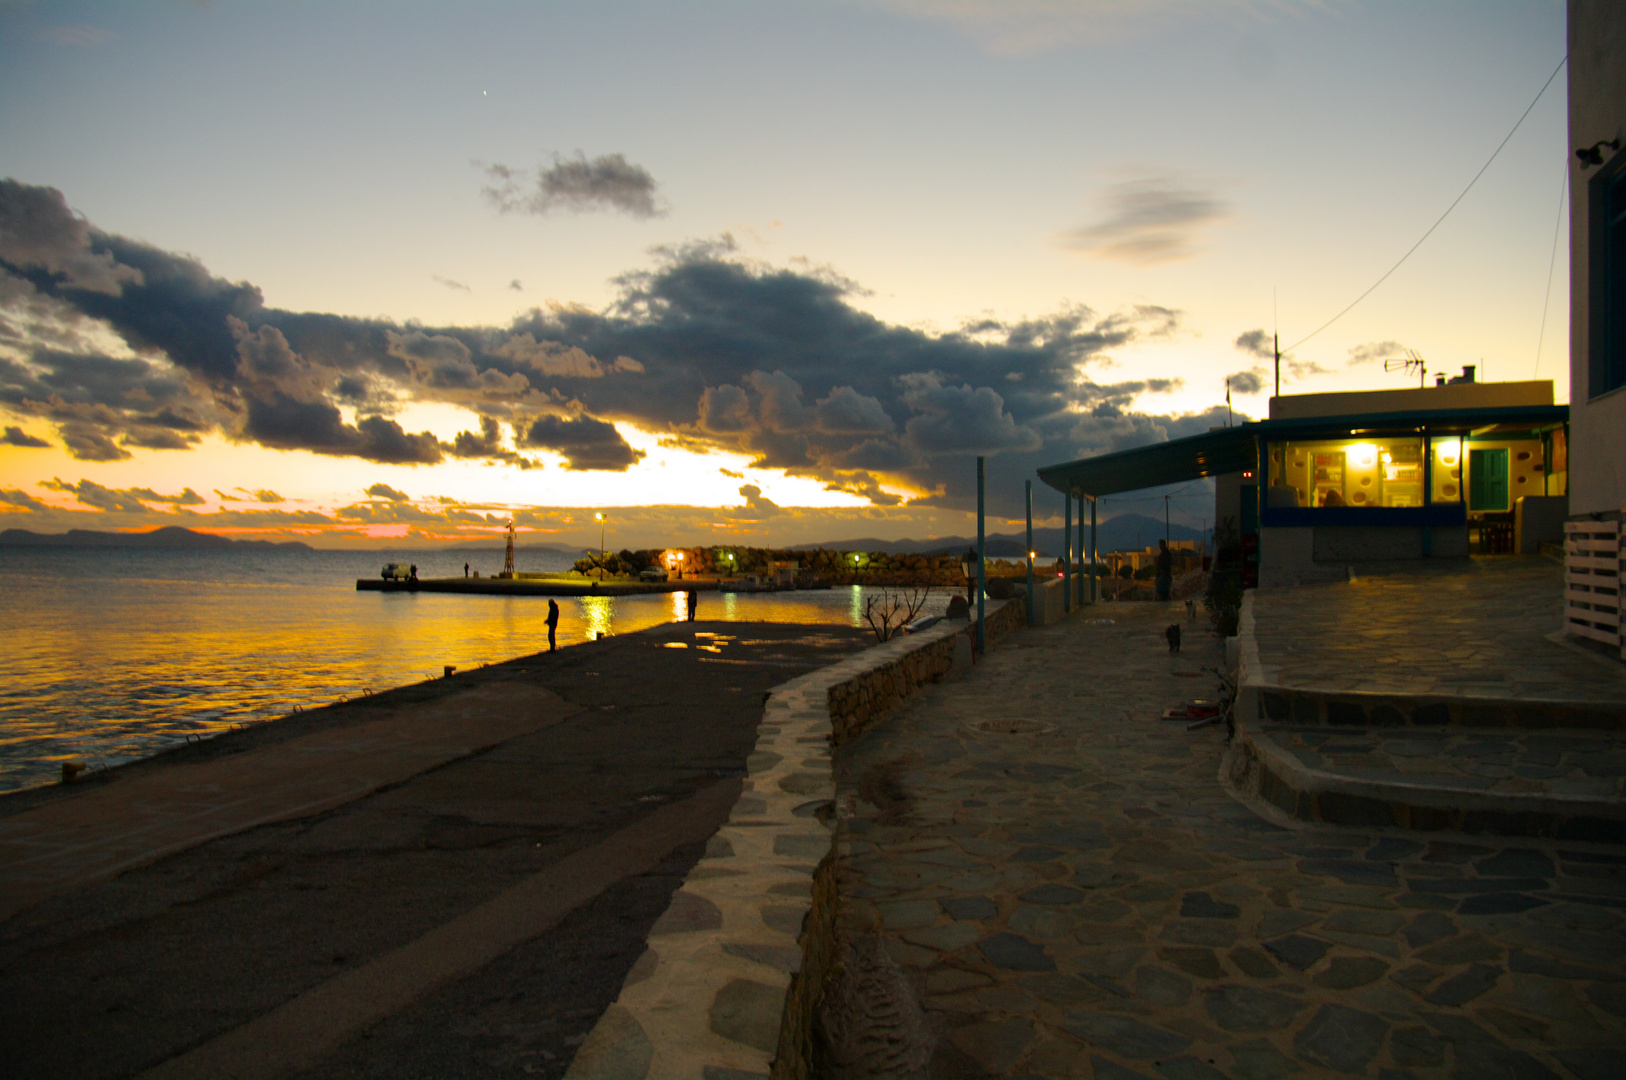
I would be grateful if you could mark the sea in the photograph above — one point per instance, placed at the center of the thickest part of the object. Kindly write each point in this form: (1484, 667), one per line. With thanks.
(112, 654)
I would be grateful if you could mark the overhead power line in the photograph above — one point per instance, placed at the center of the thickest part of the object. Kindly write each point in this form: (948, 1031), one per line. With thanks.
(1443, 216)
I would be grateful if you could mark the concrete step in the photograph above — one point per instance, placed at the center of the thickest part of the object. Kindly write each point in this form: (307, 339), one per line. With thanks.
(1560, 783)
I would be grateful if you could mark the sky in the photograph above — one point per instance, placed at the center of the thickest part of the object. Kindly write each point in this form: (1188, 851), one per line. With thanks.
(733, 272)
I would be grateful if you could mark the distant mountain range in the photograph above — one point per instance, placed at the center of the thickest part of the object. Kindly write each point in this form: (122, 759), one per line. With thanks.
(171, 536)
(1126, 532)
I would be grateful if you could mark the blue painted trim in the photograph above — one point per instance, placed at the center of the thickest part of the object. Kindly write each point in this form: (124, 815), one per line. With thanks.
(1437, 514)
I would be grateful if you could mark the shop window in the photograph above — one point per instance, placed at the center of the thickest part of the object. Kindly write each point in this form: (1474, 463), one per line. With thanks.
(1347, 472)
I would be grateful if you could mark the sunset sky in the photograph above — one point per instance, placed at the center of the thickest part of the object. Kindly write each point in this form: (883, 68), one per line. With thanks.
(746, 272)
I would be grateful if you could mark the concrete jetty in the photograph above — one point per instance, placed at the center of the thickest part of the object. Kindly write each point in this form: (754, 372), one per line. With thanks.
(494, 586)
(448, 879)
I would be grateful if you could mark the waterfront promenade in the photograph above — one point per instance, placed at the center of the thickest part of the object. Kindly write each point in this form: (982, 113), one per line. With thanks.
(1042, 879)
(450, 879)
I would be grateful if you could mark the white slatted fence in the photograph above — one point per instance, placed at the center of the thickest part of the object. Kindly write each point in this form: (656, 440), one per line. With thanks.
(1592, 580)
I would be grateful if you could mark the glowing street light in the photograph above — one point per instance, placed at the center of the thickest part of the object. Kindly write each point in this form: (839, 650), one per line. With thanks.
(600, 517)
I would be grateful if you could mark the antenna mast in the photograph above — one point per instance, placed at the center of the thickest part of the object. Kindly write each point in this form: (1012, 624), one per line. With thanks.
(1412, 361)
(1276, 339)
(508, 557)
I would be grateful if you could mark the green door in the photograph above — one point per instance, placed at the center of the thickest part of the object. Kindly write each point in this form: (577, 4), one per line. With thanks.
(1487, 480)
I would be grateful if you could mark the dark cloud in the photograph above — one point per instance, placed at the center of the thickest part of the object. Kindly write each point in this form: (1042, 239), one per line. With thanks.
(961, 419)
(1246, 382)
(487, 444)
(21, 499)
(847, 412)
(584, 441)
(97, 497)
(16, 436)
(731, 472)
(286, 408)
(756, 507)
(187, 497)
(516, 286)
(1150, 220)
(455, 286)
(384, 491)
(607, 182)
(39, 232)
(1259, 344)
(265, 496)
(1377, 350)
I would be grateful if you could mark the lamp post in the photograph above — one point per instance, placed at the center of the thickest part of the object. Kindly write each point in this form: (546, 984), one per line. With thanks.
(600, 517)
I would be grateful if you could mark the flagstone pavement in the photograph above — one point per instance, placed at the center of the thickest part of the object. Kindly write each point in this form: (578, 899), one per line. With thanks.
(1074, 894)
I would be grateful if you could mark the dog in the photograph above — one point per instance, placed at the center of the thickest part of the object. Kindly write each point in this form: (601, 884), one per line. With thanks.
(1173, 636)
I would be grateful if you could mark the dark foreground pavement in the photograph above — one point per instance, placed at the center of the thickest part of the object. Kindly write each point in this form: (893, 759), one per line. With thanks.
(355, 915)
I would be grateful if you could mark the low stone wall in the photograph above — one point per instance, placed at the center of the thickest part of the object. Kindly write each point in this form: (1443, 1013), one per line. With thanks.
(727, 987)
(858, 702)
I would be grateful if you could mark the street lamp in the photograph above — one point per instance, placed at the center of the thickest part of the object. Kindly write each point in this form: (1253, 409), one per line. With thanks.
(600, 545)
(680, 556)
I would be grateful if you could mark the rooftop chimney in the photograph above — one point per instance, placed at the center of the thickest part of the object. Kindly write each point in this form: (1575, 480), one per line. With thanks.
(1467, 375)
(1439, 378)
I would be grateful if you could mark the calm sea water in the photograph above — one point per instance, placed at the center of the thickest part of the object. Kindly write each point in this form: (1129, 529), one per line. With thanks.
(109, 655)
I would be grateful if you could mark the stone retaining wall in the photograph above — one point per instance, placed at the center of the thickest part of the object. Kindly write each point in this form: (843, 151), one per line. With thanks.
(858, 702)
(727, 987)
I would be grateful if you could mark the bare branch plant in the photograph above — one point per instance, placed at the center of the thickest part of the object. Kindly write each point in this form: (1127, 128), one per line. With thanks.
(889, 610)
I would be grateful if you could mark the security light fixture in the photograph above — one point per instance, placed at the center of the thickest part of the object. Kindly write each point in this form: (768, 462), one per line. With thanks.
(1593, 155)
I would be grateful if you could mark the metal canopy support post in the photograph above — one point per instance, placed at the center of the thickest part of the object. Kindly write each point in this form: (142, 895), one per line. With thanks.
(1428, 490)
(1067, 551)
(1032, 619)
(982, 560)
(1095, 552)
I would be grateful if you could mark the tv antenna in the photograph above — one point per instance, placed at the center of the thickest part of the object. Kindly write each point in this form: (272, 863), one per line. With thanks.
(1412, 361)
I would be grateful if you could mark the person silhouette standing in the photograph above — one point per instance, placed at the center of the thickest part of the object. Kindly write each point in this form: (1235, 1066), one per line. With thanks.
(465, 569)
(694, 602)
(553, 624)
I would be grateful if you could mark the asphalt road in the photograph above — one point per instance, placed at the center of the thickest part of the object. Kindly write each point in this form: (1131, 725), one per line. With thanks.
(124, 976)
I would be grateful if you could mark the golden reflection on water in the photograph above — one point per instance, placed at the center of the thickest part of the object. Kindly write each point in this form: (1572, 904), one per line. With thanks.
(111, 667)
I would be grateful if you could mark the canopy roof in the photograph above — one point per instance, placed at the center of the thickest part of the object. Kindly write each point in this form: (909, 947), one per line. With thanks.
(1235, 449)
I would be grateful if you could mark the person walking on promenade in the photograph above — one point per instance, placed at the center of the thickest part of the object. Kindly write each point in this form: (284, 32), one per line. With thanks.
(553, 624)
(414, 571)
(694, 602)
(465, 569)
(1165, 570)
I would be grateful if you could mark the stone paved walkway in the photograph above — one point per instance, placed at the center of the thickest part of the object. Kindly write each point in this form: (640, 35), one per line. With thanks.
(1474, 629)
(1073, 894)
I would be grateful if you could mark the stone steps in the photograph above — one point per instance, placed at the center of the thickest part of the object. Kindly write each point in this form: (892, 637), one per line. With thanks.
(1565, 785)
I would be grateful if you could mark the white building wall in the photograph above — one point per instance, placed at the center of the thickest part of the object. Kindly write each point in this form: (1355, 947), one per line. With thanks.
(1597, 91)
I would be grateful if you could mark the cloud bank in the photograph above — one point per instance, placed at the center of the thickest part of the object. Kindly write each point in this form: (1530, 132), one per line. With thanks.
(703, 348)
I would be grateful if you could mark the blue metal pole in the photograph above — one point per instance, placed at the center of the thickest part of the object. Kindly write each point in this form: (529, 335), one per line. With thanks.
(1067, 551)
(982, 561)
(1033, 616)
(1095, 551)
